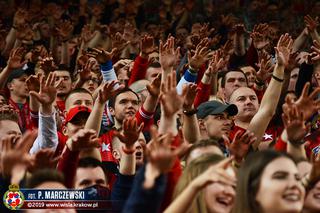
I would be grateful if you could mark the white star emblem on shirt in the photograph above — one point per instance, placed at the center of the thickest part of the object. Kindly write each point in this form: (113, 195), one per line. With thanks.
(106, 147)
(267, 136)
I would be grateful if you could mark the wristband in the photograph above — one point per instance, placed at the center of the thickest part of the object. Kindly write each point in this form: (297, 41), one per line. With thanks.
(277, 79)
(128, 151)
(192, 70)
(190, 112)
(259, 83)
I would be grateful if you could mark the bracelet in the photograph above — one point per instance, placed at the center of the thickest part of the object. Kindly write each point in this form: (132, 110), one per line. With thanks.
(128, 151)
(192, 70)
(277, 79)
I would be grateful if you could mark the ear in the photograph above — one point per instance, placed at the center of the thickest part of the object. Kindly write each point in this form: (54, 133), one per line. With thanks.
(65, 130)
(111, 110)
(202, 125)
(9, 86)
(116, 154)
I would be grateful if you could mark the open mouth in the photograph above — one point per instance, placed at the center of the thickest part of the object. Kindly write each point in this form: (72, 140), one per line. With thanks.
(225, 201)
(292, 197)
(316, 196)
(138, 155)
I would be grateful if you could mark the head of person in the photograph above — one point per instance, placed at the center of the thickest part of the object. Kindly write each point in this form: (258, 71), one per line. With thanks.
(76, 119)
(46, 179)
(9, 123)
(216, 197)
(293, 79)
(124, 104)
(79, 97)
(90, 172)
(17, 85)
(203, 147)
(153, 70)
(250, 72)
(312, 200)
(231, 81)
(247, 103)
(269, 181)
(3, 99)
(92, 83)
(140, 87)
(117, 151)
(66, 82)
(123, 76)
(215, 118)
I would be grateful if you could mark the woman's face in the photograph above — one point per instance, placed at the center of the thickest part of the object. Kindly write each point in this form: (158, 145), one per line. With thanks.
(219, 197)
(280, 188)
(312, 201)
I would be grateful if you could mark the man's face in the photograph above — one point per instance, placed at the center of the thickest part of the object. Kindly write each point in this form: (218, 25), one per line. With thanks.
(152, 72)
(126, 105)
(2, 100)
(247, 103)
(92, 84)
(251, 75)
(18, 87)
(233, 81)
(217, 125)
(75, 125)
(79, 99)
(66, 84)
(86, 177)
(8, 127)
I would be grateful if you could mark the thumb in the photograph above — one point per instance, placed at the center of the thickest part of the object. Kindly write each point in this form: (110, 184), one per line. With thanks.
(35, 95)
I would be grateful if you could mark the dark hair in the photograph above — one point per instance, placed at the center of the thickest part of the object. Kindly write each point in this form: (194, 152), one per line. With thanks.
(154, 65)
(223, 80)
(249, 177)
(202, 144)
(78, 90)
(89, 162)
(10, 115)
(44, 175)
(112, 100)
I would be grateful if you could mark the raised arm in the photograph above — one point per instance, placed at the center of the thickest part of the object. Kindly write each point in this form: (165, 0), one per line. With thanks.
(269, 102)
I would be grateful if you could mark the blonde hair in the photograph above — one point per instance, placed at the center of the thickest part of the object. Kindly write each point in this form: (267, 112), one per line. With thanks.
(193, 170)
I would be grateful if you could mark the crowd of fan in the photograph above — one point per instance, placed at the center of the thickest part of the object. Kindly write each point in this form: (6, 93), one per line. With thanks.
(163, 106)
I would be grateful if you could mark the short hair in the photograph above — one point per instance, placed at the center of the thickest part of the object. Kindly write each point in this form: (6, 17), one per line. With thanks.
(112, 100)
(202, 144)
(44, 175)
(78, 90)
(10, 115)
(223, 80)
(154, 65)
(90, 162)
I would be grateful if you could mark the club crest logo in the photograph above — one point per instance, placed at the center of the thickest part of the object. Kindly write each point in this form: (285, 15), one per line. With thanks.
(13, 199)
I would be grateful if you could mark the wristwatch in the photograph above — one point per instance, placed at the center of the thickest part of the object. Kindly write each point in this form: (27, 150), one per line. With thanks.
(190, 112)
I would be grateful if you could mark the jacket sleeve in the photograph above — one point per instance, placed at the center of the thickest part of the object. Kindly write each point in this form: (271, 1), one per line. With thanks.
(142, 200)
(139, 70)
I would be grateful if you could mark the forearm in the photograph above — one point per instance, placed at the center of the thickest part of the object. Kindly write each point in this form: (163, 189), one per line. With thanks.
(298, 152)
(95, 118)
(191, 129)
(300, 41)
(4, 77)
(239, 46)
(188, 77)
(65, 58)
(107, 71)
(95, 40)
(127, 164)
(34, 104)
(168, 124)
(269, 102)
(150, 104)
(315, 36)
(183, 202)
(10, 40)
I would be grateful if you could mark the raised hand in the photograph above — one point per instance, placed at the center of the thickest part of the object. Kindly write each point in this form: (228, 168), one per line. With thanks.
(107, 90)
(130, 34)
(170, 100)
(240, 29)
(65, 30)
(119, 42)
(130, 132)
(17, 155)
(154, 87)
(38, 54)
(294, 123)
(168, 55)
(198, 57)
(83, 139)
(265, 70)
(147, 46)
(33, 82)
(160, 156)
(283, 50)
(87, 34)
(16, 59)
(311, 23)
(48, 65)
(308, 104)
(240, 145)
(216, 173)
(190, 96)
(316, 51)
(215, 65)
(101, 55)
(44, 159)
(48, 90)
(20, 17)
(24, 33)
(85, 72)
(205, 32)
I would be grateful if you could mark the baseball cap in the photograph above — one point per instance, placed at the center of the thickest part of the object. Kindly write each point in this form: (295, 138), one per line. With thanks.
(214, 108)
(74, 112)
(17, 73)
